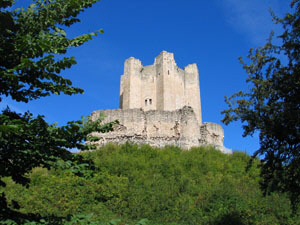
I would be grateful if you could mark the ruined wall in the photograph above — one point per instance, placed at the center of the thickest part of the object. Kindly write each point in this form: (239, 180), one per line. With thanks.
(159, 128)
(212, 133)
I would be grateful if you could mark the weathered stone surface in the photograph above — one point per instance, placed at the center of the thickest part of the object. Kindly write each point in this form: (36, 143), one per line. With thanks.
(159, 128)
(160, 105)
(161, 86)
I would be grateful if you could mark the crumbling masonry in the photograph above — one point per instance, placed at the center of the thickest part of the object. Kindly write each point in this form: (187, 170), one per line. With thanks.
(160, 105)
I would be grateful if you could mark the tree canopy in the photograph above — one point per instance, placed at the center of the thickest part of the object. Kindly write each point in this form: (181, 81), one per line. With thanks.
(272, 106)
(32, 44)
(30, 39)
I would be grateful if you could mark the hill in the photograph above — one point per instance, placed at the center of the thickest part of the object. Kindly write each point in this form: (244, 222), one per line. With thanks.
(164, 186)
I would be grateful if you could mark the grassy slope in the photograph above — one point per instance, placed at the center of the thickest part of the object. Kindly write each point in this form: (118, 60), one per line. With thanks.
(166, 186)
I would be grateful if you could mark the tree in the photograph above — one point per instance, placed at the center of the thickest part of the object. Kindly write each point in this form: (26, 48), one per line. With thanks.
(27, 142)
(32, 41)
(272, 106)
(29, 41)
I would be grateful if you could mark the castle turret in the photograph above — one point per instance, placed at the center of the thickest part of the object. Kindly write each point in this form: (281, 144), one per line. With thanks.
(165, 66)
(130, 90)
(192, 90)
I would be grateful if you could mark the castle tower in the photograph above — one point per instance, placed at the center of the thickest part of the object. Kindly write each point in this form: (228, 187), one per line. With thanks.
(192, 90)
(130, 88)
(165, 94)
(161, 86)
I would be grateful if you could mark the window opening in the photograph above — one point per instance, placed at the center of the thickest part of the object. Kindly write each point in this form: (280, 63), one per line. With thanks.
(168, 72)
(145, 102)
(150, 101)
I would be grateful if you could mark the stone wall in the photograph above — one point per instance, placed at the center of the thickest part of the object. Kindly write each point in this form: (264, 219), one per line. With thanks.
(159, 128)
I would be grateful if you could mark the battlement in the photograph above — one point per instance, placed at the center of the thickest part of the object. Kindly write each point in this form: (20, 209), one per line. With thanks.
(161, 86)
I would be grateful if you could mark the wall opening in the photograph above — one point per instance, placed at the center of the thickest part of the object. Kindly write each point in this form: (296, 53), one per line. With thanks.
(168, 72)
(148, 101)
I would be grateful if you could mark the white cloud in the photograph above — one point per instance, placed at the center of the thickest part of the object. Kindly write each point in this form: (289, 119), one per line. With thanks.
(252, 17)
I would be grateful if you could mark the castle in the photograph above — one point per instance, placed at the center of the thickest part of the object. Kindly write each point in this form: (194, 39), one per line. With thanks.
(160, 105)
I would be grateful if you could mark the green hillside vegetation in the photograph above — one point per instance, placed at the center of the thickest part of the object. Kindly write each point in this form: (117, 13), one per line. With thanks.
(132, 184)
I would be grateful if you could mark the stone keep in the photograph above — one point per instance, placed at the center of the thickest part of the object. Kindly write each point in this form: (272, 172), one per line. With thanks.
(160, 105)
(161, 86)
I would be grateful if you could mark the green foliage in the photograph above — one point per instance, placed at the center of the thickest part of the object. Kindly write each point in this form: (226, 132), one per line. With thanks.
(36, 143)
(33, 145)
(29, 142)
(32, 44)
(272, 107)
(166, 186)
(29, 40)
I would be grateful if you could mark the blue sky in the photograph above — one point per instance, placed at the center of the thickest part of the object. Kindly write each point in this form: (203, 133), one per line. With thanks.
(212, 34)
